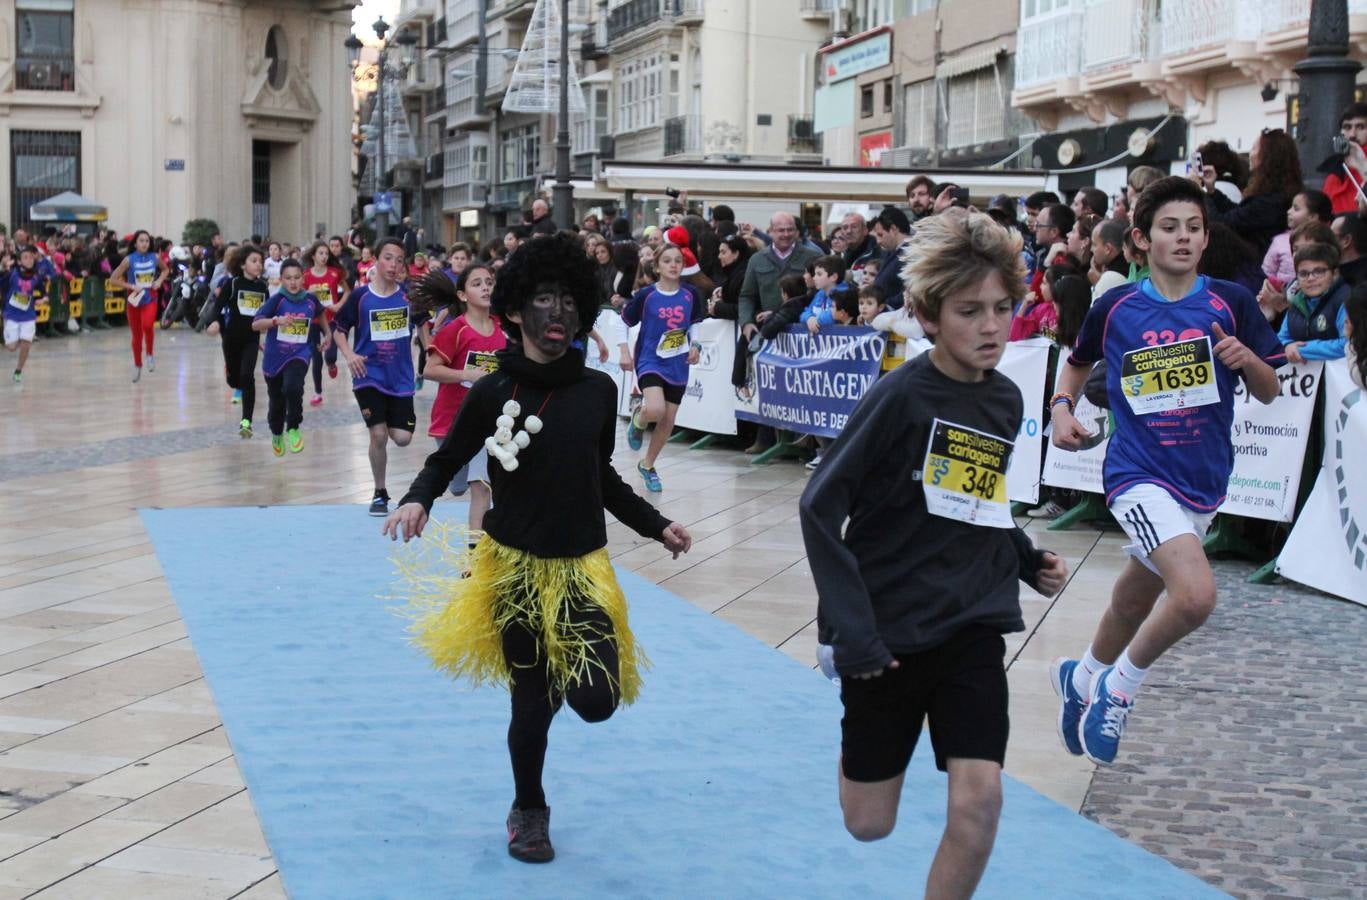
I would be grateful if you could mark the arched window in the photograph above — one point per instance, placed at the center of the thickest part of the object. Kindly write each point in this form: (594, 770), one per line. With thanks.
(277, 57)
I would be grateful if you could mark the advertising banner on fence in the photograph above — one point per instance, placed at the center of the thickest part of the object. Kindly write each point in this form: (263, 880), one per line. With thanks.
(1270, 444)
(1024, 362)
(1269, 448)
(709, 403)
(613, 330)
(810, 383)
(1327, 548)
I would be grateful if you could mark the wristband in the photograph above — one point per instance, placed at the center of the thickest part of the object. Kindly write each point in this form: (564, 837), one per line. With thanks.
(1062, 397)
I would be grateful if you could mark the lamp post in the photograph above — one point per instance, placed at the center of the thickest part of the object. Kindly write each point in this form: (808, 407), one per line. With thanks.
(1326, 78)
(562, 195)
(406, 42)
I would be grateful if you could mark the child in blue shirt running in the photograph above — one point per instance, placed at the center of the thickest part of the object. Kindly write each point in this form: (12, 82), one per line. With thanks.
(1175, 344)
(665, 348)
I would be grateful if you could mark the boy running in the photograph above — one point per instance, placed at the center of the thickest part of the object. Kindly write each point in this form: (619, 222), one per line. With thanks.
(1174, 344)
(916, 593)
(380, 362)
(24, 291)
(287, 319)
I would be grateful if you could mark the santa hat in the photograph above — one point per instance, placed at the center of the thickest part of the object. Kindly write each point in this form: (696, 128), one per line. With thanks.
(678, 237)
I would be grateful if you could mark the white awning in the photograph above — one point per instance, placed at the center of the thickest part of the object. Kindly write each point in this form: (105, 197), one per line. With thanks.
(971, 61)
(583, 189)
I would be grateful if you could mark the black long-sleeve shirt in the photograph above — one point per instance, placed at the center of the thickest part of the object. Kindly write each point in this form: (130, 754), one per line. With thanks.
(901, 580)
(238, 298)
(552, 504)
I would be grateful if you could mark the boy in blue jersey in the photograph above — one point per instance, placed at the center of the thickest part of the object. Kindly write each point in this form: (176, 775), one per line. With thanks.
(1174, 344)
(24, 292)
(380, 362)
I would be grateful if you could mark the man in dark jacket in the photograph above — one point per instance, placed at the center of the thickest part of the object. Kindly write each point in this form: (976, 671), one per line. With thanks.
(759, 294)
(860, 246)
(892, 230)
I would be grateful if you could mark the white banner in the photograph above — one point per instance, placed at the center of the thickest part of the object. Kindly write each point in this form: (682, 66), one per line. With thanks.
(1270, 444)
(1079, 470)
(1024, 362)
(1327, 549)
(709, 403)
(613, 331)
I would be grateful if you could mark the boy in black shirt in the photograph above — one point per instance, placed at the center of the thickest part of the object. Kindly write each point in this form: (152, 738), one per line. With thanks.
(917, 592)
(540, 610)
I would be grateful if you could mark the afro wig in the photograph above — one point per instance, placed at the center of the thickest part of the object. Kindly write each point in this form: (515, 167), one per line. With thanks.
(555, 259)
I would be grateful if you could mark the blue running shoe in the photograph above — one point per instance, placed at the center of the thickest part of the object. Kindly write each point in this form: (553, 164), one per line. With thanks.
(1104, 722)
(652, 479)
(635, 433)
(1073, 704)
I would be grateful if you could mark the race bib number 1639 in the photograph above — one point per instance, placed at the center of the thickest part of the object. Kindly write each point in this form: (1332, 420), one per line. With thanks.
(1169, 376)
(964, 475)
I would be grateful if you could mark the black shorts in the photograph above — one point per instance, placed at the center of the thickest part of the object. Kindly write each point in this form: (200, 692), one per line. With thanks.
(379, 408)
(960, 685)
(674, 393)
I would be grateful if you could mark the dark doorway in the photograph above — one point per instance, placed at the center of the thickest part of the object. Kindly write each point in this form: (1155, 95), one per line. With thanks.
(261, 187)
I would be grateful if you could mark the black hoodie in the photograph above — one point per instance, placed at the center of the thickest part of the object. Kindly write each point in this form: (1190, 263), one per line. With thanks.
(552, 504)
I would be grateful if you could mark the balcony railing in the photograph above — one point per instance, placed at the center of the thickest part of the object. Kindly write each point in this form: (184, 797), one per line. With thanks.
(636, 14)
(464, 196)
(1049, 49)
(683, 134)
(44, 73)
(802, 138)
(1117, 32)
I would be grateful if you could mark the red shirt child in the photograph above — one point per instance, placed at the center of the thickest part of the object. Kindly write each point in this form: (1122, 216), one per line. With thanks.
(327, 287)
(459, 346)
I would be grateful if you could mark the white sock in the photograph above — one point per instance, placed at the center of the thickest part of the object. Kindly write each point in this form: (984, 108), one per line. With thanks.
(1086, 669)
(1127, 677)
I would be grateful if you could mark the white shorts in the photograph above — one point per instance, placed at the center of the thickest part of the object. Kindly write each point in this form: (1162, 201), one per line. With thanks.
(19, 331)
(477, 469)
(1151, 518)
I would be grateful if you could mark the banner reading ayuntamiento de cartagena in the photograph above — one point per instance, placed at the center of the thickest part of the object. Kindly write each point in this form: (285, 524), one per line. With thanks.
(810, 383)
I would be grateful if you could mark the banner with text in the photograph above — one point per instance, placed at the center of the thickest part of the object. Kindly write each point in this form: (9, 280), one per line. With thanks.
(709, 403)
(810, 383)
(1327, 548)
(1025, 363)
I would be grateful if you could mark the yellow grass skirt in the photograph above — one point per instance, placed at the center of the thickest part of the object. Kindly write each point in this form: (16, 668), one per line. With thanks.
(458, 622)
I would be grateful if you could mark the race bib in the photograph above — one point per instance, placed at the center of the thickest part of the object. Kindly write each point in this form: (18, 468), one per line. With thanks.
(388, 324)
(323, 293)
(248, 302)
(672, 343)
(136, 297)
(1169, 376)
(143, 279)
(21, 301)
(964, 475)
(477, 360)
(294, 331)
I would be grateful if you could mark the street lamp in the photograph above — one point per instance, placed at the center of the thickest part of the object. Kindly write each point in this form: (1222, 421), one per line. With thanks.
(562, 195)
(406, 41)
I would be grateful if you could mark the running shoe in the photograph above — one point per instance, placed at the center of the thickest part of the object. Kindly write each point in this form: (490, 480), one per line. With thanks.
(652, 478)
(1072, 705)
(278, 444)
(332, 370)
(635, 433)
(18, 377)
(151, 364)
(244, 428)
(317, 400)
(237, 397)
(1104, 722)
(379, 506)
(137, 374)
(1050, 510)
(814, 463)
(529, 835)
(296, 440)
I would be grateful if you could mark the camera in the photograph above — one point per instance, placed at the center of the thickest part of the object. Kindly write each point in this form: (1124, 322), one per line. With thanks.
(672, 192)
(1340, 144)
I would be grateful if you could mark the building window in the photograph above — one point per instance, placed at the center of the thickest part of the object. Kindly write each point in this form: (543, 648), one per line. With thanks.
(916, 7)
(866, 101)
(887, 96)
(919, 114)
(46, 58)
(640, 87)
(479, 163)
(977, 108)
(277, 58)
(42, 164)
(521, 148)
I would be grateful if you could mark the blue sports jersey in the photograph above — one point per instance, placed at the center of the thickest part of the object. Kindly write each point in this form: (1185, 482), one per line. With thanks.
(289, 342)
(663, 343)
(142, 271)
(1173, 402)
(22, 295)
(382, 333)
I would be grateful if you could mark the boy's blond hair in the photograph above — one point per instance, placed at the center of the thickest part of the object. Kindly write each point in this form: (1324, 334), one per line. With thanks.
(956, 250)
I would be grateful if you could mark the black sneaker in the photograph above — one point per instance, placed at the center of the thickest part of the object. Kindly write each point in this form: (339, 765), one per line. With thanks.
(529, 835)
(379, 506)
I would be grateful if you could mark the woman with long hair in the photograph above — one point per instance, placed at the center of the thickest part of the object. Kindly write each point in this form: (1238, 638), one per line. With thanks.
(325, 278)
(147, 272)
(1274, 179)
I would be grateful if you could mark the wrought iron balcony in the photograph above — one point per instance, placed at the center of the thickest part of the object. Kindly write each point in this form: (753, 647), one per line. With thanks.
(683, 134)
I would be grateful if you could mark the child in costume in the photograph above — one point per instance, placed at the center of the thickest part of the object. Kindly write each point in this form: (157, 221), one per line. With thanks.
(540, 609)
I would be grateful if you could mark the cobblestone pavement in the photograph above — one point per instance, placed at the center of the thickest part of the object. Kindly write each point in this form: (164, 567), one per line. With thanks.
(1245, 761)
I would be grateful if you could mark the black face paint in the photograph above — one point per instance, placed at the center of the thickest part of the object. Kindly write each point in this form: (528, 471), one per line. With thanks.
(550, 322)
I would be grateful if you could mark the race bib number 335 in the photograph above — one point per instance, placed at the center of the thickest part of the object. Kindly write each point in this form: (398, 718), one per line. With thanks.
(1169, 376)
(964, 475)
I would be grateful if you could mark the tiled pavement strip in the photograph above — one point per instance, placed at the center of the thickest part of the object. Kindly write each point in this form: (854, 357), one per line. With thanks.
(1244, 759)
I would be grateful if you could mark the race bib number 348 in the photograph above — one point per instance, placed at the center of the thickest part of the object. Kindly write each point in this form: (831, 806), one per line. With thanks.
(1169, 376)
(964, 475)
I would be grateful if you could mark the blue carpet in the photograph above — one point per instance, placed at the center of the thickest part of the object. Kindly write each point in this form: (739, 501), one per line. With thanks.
(374, 777)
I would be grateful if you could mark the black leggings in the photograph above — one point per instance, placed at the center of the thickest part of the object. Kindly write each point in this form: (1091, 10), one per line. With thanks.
(239, 364)
(285, 392)
(315, 338)
(594, 698)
